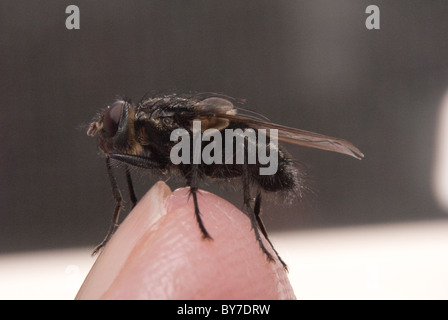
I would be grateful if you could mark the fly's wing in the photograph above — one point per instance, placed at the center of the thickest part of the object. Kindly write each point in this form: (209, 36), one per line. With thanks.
(304, 138)
(224, 109)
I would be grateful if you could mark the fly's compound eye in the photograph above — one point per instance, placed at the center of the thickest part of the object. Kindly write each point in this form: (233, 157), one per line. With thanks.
(112, 117)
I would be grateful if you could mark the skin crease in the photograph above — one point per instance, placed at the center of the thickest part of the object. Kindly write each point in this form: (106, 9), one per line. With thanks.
(158, 253)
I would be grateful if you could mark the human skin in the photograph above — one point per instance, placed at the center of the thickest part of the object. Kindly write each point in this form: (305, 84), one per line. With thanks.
(158, 253)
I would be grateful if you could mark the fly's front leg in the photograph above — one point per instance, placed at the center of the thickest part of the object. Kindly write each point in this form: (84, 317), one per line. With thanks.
(126, 159)
(118, 207)
(131, 188)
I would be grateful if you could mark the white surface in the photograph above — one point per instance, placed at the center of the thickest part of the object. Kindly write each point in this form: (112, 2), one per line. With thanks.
(44, 275)
(403, 261)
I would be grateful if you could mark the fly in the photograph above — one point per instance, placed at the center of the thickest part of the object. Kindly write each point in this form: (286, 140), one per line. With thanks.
(141, 136)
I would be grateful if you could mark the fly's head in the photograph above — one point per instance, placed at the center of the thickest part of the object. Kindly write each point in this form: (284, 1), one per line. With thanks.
(115, 129)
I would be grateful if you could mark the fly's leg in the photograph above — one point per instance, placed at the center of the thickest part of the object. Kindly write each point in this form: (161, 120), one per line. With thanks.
(118, 207)
(257, 211)
(131, 188)
(126, 159)
(251, 213)
(192, 181)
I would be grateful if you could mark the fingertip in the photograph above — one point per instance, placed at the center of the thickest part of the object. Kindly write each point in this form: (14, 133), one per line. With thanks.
(110, 260)
(171, 260)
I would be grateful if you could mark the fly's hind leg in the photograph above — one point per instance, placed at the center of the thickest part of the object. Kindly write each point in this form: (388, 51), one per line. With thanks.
(257, 212)
(251, 213)
(255, 218)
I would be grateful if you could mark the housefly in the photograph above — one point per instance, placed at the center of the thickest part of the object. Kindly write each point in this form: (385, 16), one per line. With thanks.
(140, 135)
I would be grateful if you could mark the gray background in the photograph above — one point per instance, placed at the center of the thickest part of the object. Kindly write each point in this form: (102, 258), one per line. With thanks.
(306, 64)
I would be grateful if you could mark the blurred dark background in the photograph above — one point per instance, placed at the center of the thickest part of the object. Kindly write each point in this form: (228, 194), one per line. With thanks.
(306, 64)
